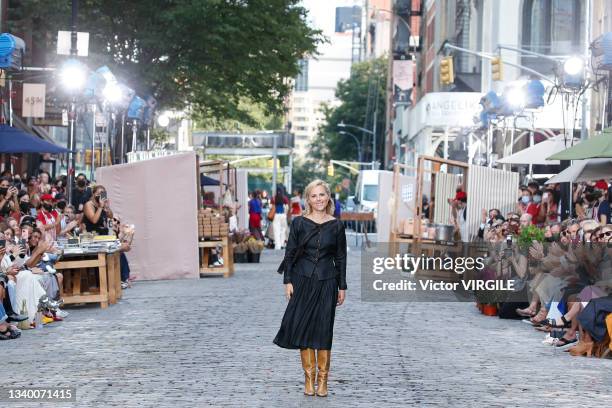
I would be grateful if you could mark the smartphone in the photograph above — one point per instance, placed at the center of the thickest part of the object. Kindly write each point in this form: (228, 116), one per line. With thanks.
(103, 195)
(23, 243)
(2, 243)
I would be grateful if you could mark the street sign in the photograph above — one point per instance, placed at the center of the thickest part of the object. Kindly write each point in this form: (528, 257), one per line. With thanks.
(33, 101)
(63, 43)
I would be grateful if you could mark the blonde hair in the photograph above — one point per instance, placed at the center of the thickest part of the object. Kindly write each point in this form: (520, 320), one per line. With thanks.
(329, 209)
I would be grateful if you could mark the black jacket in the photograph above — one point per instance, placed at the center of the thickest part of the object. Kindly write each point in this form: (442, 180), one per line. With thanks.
(323, 255)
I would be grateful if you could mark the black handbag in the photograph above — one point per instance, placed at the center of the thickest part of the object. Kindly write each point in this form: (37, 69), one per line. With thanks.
(298, 251)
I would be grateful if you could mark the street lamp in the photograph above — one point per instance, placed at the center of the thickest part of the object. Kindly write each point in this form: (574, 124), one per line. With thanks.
(343, 132)
(370, 132)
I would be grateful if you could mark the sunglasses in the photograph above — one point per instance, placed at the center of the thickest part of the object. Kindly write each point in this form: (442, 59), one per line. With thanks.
(605, 234)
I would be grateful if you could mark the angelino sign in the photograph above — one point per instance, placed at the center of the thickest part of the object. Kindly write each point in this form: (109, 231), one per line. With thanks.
(442, 109)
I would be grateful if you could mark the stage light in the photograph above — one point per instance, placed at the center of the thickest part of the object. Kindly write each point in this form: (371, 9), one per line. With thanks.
(163, 120)
(515, 97)
(112, 92)
(73, 75)
(573, 66)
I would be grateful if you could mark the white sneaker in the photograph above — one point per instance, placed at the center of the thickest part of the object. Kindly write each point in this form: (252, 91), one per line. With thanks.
(62, 313)
(549, 340)
(220, 261)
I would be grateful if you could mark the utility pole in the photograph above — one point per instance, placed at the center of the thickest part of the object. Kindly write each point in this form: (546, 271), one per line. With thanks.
(274, 158)
(72, 113)
(389, 107)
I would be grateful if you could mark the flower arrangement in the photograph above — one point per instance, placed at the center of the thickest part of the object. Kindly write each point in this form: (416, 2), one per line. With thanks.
(528, 235)
(255, 246)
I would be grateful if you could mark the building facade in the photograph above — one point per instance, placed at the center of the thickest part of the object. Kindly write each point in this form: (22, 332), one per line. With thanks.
(445, 118)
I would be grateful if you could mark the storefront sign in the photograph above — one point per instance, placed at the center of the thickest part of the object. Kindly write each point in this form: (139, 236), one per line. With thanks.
(444, 109)
(33, 101)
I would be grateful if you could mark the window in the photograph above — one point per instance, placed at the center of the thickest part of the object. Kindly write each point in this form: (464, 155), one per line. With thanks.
(301, 128)
(552, 26)
(370, 192)
(301, 81)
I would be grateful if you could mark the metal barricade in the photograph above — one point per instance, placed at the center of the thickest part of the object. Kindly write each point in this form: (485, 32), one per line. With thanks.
(361, 223)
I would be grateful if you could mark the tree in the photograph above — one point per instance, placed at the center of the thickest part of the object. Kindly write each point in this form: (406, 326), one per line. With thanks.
(211, 54)
(361, 95)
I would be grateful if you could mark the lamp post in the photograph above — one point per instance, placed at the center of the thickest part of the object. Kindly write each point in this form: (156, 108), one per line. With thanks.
(344, 132)
(72, 111)
(370, 132)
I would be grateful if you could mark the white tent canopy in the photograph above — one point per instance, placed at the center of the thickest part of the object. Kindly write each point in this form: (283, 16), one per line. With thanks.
(584, 170)
(538, 153)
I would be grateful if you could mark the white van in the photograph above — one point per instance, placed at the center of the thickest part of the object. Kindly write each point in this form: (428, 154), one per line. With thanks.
(366, 190)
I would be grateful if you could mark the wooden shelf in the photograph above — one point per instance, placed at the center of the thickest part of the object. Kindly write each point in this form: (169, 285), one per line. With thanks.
(227, 269)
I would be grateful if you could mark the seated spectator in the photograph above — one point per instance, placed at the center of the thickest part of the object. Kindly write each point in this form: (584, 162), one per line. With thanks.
(97, 212)
(48, 219)
(125, 233)
(8, 199)
(70, 223)
(44, 183)
(81, 193)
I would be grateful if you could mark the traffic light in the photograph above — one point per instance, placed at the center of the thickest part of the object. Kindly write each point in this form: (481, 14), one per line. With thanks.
(447, 73)
(330, 170)
(497, 69)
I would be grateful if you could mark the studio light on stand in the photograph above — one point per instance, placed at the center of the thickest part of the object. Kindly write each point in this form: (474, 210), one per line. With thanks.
(73, 76)
(573, 73)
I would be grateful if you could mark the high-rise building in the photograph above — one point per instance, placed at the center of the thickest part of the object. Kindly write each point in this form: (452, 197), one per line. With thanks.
(319, 76)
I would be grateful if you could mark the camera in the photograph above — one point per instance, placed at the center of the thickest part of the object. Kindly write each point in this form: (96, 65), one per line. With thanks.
(508, 249)
(103, 195)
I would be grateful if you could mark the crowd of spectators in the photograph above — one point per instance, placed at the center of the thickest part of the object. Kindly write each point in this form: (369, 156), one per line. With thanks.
(562, 269)
(34, 215)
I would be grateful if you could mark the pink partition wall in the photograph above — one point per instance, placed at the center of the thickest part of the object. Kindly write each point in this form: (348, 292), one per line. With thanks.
(158, 196)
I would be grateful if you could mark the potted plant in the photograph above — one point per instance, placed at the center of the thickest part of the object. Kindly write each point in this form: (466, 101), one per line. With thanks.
(240, 252)
(255, 247)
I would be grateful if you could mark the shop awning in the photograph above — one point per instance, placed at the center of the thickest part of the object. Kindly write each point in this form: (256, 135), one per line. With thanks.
(13, 140)
(537, 153)
(208, 181)
(584, 170)
(595, 147)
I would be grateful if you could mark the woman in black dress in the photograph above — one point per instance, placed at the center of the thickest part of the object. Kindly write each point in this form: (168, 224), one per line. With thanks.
(315, 283)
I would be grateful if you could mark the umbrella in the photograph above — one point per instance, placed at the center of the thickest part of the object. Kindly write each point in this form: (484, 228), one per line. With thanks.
(537, 153)
(13, 140)
(597, 146)
(584, 170)
(591, 292)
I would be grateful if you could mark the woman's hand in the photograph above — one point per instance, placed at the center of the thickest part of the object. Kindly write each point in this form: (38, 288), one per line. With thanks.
(341, 297)
(288, 291)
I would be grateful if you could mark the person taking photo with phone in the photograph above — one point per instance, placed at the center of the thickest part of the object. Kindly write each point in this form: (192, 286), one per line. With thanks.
(97, 212)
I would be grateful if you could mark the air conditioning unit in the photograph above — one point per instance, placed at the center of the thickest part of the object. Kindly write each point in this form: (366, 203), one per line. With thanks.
(11, 51)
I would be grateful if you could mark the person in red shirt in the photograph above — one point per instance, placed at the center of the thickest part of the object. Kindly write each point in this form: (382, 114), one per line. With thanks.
(48, 219)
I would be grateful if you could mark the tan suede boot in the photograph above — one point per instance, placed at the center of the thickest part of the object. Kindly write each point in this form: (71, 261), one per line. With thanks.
(323, 357)
(310, 367)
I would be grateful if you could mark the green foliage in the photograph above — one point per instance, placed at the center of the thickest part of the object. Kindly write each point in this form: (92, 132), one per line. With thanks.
(253, 118)
(304, 171)
(528, 235)
(359, 96)
(212, 54)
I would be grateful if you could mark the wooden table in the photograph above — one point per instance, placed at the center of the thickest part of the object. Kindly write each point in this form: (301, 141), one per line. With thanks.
(74, 268)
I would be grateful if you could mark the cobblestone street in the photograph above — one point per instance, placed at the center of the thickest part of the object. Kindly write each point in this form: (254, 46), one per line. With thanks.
(209, 343)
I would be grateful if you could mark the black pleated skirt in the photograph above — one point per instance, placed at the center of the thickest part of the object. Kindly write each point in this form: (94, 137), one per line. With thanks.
(309, 319)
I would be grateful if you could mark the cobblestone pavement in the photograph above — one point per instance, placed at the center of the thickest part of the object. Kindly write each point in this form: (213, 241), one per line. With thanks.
(209, 343)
